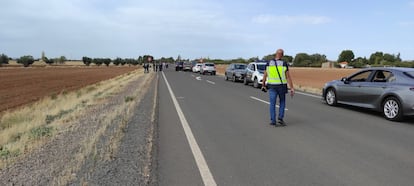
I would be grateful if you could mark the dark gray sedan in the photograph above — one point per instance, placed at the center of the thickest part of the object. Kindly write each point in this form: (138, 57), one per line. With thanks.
(235, 71)
(388, 90)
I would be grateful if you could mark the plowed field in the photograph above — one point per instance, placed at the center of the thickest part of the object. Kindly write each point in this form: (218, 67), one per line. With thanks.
(20, 86)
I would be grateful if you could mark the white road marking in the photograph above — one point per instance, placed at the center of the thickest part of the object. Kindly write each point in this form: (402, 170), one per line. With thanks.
(210, 82)
(263, 101)
(198, 78)
(198, 155)
(306, 94)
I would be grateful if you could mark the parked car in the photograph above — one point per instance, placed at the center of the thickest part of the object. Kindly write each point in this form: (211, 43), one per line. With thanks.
(179, 66)
(254, 73)
(387, 90)
(197, 67)
(208, 68)
(187, 66)
(235, 71)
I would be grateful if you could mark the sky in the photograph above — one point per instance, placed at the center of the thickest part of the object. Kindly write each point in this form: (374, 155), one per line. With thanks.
(215, 29)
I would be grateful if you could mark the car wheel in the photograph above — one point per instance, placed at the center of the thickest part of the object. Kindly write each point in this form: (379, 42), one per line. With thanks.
(234, 78)
(225, 77)
(391, 108)
(245, 81)
(256, 83)
(330, 97)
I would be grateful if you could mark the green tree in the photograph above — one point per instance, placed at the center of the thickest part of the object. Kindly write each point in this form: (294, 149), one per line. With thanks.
(376, 58)
(62, 59)
(346, 55)
(47, 61)
(302, 60)
(86, 60)
(44, 58)
(26, 60)
(117, 61)
(140, 60)
(4, 59)
(106, 61)
(359, 62)
(252, 59)
(287, 58)
(97, 61)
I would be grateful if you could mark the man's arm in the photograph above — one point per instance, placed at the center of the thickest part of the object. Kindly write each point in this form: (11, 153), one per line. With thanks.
(264, 79)
(290, 82)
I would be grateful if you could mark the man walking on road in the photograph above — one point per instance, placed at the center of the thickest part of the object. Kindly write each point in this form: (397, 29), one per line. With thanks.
(277, 76)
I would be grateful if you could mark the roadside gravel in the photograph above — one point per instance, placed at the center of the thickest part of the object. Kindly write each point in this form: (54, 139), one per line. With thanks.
(105, 146)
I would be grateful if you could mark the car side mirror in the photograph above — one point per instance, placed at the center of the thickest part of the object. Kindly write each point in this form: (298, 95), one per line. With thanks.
(345, 80)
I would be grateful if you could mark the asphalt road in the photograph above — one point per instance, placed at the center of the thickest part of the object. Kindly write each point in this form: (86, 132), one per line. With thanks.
(321, 145)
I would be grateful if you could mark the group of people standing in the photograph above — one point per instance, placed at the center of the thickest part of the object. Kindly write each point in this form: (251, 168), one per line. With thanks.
(155, 66)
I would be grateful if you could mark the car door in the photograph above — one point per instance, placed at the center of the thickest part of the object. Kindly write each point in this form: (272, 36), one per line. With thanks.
(228, 70)
(249, 72)
(350, 91)
(373, 90)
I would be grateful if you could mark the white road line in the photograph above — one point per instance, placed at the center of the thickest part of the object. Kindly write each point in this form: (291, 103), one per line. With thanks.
(198, 155)
(263, 101)
(306, 94)
(198, 78)
(210, 82)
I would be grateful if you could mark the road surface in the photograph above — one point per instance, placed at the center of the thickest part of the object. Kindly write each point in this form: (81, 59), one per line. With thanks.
(221, 136)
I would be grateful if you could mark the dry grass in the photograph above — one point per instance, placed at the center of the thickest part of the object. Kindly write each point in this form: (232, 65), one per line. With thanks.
(52, 113)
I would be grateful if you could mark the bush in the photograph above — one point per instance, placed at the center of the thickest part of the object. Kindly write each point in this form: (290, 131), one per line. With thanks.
(4, 59)
(26, 60)
(39, 132)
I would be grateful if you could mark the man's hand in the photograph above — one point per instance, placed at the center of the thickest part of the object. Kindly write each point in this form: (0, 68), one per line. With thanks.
(292, 92)
(264, 89)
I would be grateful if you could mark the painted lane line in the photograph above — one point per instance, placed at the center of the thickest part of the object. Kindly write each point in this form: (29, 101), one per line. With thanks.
(263, 101)
(310, 95)
(198, 78)
(210, 82)
(198, 155)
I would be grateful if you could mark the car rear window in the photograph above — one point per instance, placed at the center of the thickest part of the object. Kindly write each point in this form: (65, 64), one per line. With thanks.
(410, 74)
(261, 67)
(210, 64)
(240, 66)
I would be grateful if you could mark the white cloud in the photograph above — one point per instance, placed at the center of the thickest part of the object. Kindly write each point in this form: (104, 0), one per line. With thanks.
(286, 19)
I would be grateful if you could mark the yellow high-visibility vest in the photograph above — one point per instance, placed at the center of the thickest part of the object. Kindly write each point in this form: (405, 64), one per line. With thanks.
(272, 75)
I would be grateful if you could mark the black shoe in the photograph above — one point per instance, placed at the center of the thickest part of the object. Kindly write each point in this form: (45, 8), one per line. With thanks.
(272, 124)
(281, 122)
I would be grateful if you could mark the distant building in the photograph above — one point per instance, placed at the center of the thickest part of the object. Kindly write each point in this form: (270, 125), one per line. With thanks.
(329, 64)
(343, 64)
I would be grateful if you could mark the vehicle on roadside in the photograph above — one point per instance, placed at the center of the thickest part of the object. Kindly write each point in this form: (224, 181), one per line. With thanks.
(209, 68)
(197, 67)
(254, 73)
(187, 66)
(387, 90)
(179, 66)
(235, 72)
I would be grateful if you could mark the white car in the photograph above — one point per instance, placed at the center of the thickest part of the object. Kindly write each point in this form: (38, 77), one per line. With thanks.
(254, 73)
(208, 68)
(197, 67)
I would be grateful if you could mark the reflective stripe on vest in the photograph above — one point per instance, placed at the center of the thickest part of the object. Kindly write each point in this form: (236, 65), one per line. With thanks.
(273, 76)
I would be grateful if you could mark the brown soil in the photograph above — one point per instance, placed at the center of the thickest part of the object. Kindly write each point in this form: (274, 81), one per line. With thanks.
(20, 86)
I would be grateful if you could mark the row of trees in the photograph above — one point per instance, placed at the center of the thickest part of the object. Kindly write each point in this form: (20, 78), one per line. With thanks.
(300, 60)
